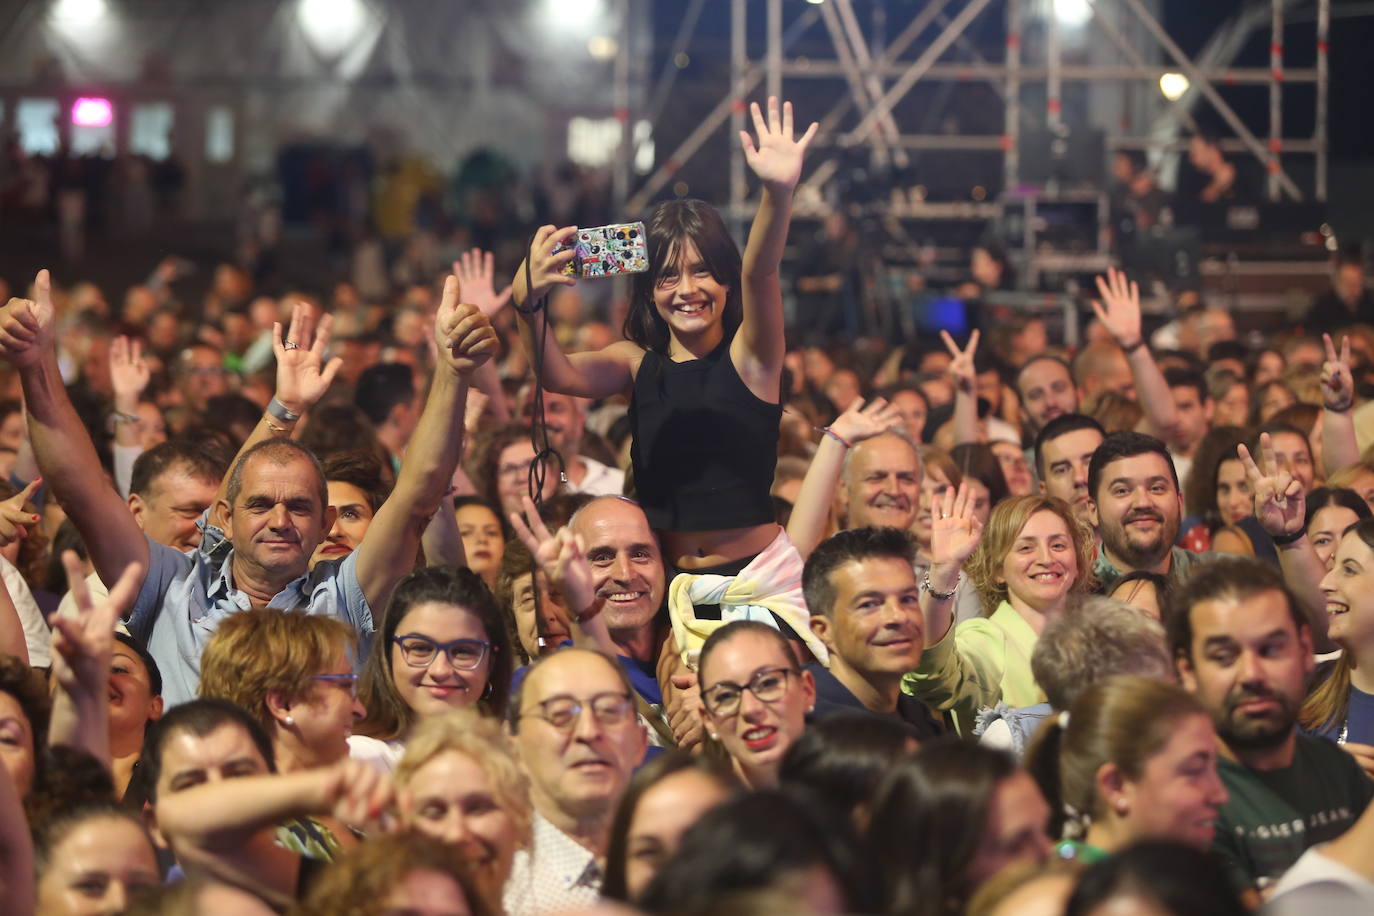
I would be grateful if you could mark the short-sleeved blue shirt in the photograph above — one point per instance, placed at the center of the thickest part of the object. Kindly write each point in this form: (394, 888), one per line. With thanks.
(186, 595)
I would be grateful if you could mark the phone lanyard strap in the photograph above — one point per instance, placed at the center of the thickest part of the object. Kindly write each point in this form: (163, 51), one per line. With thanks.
(531, 305)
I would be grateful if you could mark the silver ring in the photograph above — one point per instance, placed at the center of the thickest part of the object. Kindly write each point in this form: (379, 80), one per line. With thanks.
(290, 345)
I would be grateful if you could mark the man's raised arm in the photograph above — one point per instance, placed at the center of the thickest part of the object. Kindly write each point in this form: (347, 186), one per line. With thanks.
(466, 340)
(62, 447)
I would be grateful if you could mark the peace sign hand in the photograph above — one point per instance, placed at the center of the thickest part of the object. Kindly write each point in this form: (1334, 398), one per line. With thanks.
(15, 520)
(777, 159)
(1280, 504)
(1121, 313)
(961, 368)
(562, 558)
(954, 530)
(84, 642)
(1338, 384)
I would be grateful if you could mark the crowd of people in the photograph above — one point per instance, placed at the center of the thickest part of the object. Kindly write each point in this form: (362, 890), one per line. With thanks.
(463, 604)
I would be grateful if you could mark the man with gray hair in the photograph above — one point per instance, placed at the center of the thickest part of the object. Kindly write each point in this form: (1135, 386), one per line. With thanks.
(1094, 639)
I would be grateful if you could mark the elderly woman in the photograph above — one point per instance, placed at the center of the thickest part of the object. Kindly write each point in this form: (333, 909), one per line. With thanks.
(459, 782)
(1032, 557)
(442, 645)
(293, 673)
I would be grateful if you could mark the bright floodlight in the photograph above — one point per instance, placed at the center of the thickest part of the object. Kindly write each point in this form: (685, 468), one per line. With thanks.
(332, 25)
(1073, 12)
(816, 2)
(602, 47)
(78, 11)
(92, 112)
(1173, 85)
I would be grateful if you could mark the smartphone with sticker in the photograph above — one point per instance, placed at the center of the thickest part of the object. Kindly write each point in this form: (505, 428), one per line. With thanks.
(607, 251)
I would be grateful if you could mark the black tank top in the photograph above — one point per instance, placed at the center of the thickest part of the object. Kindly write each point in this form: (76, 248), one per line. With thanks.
(705, 446)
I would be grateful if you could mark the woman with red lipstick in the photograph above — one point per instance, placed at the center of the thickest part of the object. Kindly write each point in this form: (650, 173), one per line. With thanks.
(702, 365)
(1034, 555)
(442, 645)
(754, 697)
(1134, 759)
(484, 539)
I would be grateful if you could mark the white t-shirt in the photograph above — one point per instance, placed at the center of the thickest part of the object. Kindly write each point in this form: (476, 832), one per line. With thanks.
(37, 636)
(1319, 884)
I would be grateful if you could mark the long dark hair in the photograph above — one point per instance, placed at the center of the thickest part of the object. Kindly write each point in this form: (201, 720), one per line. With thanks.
(1328, 705)
(613, 886)
(388, 715)
(674, 222)
(928, 821)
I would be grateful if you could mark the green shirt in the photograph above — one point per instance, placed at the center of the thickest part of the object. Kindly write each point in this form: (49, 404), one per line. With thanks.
(1181, 565)
(1273, 816)
(1077, 851)
(977, 664)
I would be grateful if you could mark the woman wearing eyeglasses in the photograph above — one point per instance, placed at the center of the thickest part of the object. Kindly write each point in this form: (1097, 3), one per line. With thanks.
(442, 645)
(754, 697)
(293, 673)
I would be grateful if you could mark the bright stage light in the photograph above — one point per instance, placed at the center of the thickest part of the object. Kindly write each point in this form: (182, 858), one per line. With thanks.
(1173, 85)
(332, 25)
(92, 112)
(1073, 13)
(815, 2)
(602, 47)
(79, 12)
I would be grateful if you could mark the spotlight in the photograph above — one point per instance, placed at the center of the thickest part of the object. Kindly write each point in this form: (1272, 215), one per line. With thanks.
(1073, 13)
(92, 112)
(602, 47)
(1173, 86)
(79, 11)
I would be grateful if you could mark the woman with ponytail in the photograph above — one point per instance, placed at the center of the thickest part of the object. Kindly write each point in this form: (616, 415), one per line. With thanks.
(1133, 759)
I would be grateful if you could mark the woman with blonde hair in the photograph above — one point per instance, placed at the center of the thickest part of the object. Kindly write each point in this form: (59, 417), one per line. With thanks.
(293, 673)
(460, 782)
(1133, 759)
(1033, 555)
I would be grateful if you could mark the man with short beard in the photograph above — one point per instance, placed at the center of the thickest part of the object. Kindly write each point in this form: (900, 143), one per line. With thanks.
(566, 417)
(1136, 506)
(1244, 649)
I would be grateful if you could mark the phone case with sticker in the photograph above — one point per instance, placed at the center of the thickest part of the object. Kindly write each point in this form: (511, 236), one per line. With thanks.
(608, 251)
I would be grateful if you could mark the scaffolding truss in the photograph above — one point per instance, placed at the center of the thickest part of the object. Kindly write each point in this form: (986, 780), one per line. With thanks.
(877, 79)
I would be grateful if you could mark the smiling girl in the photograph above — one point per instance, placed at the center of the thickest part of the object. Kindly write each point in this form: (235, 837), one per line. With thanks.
(702, 363)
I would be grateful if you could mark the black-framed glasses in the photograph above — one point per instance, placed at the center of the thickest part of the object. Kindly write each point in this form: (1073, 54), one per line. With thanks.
(348, 682)
(769, 685)
(421, 651)
(562, 712)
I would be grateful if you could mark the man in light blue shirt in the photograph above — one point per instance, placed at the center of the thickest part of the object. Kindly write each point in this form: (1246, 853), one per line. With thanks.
(270, 512)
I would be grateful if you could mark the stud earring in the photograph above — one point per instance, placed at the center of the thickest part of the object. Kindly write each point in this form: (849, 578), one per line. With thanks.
(289, 721)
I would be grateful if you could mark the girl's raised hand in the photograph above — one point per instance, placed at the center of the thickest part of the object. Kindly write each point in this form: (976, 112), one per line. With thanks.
(777, 159)
(545, 267)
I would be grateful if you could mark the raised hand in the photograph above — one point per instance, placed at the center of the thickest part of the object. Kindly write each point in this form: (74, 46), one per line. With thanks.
(302, 374)
(1119, 309)
(83, 643)
(777, 159)
(562, 558)
(474, 270)
(860, 421)
(1338, 383)
(961, 369)
(15, 520)
(26, 325)
(465, 336)
(129, 373)
(545, 267)
(1280, 504)
(954, 530)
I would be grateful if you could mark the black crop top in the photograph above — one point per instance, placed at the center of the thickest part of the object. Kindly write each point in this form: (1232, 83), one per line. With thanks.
(705, 446)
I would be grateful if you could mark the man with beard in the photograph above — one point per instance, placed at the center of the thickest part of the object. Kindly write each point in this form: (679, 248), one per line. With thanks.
(1136, 506)
(1243, 648)
(1047, 390)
